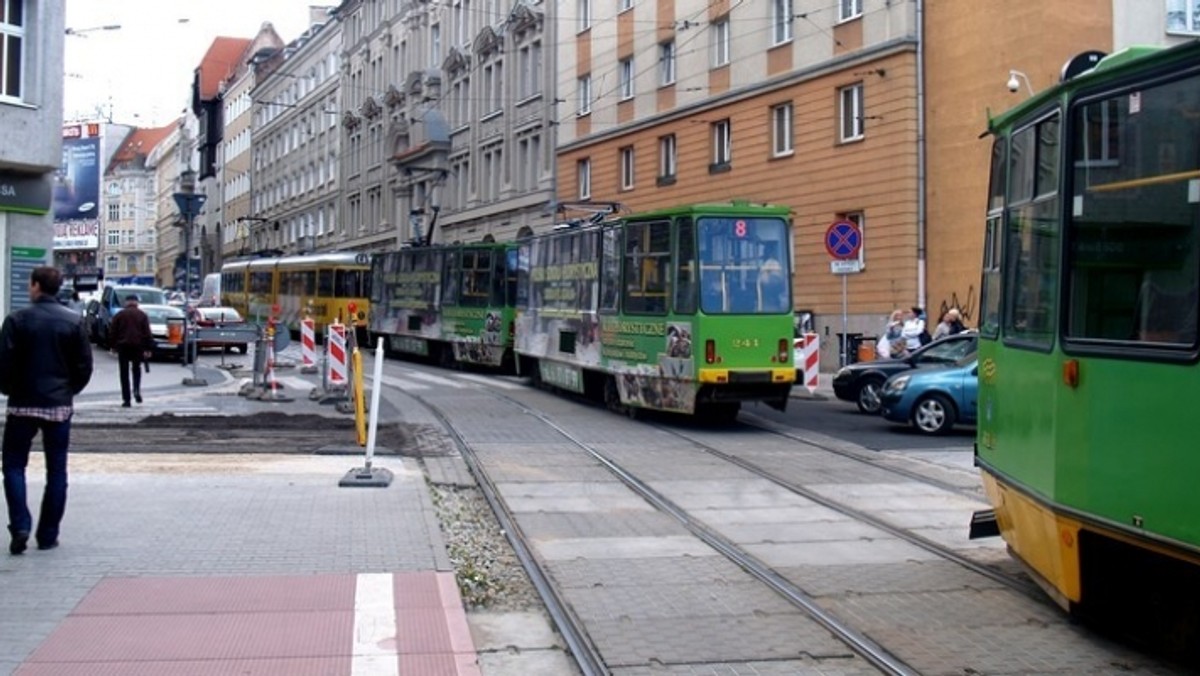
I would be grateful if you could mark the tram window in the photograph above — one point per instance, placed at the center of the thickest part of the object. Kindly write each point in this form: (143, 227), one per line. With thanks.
(647, 267)
(522, 275)
(325, 283)
(1034, 236)
(347, 283)
(610, 269)
(1135, 227)
(744, 266)
(450, 279)
(260, 282)
(476, 276)
(685, 267)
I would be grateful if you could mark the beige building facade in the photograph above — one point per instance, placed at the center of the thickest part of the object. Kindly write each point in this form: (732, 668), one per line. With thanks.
(295, 140)
(861, 110)
(165, 162)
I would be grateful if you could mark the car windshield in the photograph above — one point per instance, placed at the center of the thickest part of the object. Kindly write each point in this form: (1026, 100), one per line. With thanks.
(144, 296)
(220, 314)
(159, 315)
(948, 351)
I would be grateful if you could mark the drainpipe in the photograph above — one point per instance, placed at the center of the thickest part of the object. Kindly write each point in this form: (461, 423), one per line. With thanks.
(921, 182)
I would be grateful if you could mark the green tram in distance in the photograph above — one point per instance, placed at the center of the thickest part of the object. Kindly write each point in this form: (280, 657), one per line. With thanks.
(450, 303)
(685, 309)
(1088, 438)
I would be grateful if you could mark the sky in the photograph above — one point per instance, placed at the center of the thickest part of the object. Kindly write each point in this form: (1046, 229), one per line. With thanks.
(143, 71)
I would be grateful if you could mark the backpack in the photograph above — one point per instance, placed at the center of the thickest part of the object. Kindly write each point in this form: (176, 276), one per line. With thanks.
(925, 338)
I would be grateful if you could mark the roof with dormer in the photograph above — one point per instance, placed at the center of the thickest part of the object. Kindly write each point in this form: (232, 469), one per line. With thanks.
(138, 145)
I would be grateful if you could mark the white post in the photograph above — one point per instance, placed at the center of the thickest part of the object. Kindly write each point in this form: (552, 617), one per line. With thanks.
(377, 384)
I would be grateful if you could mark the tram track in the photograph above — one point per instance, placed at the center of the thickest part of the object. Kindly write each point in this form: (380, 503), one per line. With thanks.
(1021, 585)
(574, 633)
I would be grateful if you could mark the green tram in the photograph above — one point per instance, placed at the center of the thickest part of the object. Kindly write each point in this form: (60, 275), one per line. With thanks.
(452, 303)
(1088, 378)
(686, 309)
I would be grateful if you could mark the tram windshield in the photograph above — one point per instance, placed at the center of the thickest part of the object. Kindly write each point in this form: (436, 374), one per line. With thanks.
(744, 266)
(1135, 226)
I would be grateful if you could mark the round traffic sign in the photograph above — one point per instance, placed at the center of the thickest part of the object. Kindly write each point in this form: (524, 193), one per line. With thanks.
(843, 240)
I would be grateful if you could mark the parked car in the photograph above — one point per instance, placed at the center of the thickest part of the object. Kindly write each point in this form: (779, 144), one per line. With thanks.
(211, 317)
(159, 315)
(99, 312)
(933, 399)
(861, 382)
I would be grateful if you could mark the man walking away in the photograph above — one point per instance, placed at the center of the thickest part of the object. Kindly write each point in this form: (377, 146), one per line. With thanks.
(133, 341)
(45, 360)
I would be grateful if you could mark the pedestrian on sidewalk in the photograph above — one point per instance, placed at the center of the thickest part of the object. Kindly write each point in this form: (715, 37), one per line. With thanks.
(131, 337)
(45, 360)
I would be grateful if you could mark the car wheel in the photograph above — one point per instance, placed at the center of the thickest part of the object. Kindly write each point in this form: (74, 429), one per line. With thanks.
(934, 414)
(868, 396)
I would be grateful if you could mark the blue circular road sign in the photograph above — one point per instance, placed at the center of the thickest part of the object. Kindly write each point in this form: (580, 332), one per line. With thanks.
(843, 240)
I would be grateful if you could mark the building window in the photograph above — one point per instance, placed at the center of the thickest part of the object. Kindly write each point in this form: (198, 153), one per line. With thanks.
(849, 9)
(584, 92)
(781, 21)
(722, 145)
(583, 168)
(666, 63)
(781, 130)
(435, 46)
(720, 43)
(531, 69)
(626, 68)
(493, 87)
(114, 212)
(851, 103)
(585, 15)
(627, 168)
(1183, 16)
(12, 52)
(113, 237)
(666, 159)
(624, 5)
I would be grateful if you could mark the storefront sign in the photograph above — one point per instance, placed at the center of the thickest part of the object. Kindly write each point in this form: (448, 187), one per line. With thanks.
(25, 193)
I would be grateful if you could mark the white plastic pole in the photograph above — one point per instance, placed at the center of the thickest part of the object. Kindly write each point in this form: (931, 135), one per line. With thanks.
(373, 419)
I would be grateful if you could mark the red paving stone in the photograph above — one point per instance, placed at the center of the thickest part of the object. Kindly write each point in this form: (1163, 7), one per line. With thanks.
(286, 625)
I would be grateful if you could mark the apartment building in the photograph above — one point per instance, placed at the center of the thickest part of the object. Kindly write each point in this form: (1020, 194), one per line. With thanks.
(166, 162)
(860, 110)
(129, 247)
(31, 105)
(295, 142)
(448, 120)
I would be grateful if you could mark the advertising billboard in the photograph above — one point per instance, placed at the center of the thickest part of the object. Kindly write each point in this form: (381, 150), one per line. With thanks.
(76, 195)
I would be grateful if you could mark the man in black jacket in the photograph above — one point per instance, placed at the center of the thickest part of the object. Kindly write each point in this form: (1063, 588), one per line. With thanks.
(45, 360)
(130, 335)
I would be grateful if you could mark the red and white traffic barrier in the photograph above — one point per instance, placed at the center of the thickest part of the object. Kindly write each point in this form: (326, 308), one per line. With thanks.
(336, 338)
(807, 349)
(308, 345)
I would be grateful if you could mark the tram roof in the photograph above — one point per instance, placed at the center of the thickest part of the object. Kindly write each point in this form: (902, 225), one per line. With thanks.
(731, 208)
(1112, 66)
(312, 260)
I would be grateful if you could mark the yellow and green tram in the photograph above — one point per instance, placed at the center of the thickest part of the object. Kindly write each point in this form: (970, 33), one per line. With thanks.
(1088, 352)
(328, 287)
(686, 309)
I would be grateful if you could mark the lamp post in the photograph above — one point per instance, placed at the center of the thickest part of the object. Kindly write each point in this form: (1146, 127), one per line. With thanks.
(189, 204)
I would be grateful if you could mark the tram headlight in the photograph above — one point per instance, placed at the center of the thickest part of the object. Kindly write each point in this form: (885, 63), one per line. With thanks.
(897, 384)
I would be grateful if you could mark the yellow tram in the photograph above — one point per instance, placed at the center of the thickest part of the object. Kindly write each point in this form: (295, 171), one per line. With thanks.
(325, 286)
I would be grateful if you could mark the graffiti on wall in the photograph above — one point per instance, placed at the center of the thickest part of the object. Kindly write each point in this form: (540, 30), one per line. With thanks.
(966, 304)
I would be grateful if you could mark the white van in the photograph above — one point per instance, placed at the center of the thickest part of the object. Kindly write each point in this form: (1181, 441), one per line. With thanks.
(210, 293)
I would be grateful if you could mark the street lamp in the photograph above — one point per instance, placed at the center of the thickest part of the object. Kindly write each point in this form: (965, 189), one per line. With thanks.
(189, 204)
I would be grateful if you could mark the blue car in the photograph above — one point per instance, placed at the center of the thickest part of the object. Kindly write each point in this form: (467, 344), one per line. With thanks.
(933, 399)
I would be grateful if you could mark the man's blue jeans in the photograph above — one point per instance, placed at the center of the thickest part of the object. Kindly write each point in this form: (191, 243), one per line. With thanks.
(18, 438)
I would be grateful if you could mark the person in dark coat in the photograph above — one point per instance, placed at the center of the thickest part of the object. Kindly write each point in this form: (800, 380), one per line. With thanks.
(131, 337)
(45, 360)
